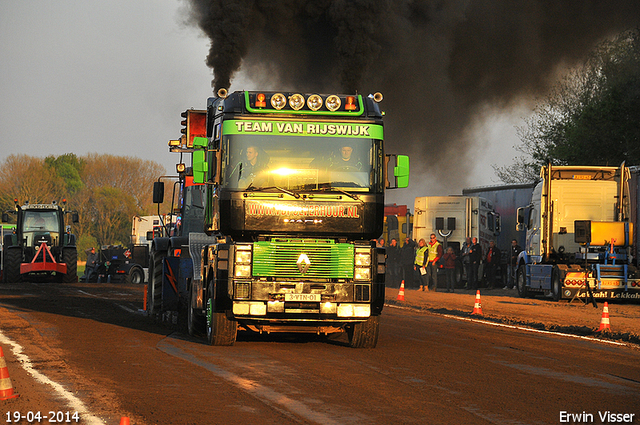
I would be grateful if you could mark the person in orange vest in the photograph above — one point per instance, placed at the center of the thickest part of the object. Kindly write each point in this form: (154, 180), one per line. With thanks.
(435, 250)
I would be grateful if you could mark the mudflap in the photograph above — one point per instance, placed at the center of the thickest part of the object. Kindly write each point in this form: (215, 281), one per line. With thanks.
(175, 272)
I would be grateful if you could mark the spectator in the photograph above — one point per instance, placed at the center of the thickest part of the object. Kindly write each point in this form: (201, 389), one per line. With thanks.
(394, 269)
(420, 264)
(450, 269)
(466, 263)
(91, 267)
(435, 253)
(407, 257)
(513, 264)
(492, 264)
(475, 258)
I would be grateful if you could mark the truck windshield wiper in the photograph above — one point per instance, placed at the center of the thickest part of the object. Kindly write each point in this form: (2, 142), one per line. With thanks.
(344, 192)
(296, 195)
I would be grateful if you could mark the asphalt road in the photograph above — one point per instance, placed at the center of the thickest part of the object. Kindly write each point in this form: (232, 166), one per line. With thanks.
(104, 358)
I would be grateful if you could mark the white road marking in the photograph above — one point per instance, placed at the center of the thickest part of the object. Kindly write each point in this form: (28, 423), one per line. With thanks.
(521, 328)
(72, 401)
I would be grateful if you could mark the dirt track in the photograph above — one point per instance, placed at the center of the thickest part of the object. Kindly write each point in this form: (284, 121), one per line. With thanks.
(504, 306)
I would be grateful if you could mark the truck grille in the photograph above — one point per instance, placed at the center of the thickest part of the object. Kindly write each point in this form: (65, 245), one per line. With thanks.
(279, 258)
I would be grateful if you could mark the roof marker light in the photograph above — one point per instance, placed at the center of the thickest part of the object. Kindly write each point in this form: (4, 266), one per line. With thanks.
(260, 101)
(333, 103)
(351, 103)
(314, 102)
(278, 101)
(296, 101)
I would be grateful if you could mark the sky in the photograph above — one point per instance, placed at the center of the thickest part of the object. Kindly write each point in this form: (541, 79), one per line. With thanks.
(112, 77)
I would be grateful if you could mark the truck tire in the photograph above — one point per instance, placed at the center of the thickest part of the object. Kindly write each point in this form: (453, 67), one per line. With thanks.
(521, 281)
(220, 330)
(135, 276)
(155, 280)
(70, 258)
(556, 286)
(12, 261)
(364, 334)
(195, 322)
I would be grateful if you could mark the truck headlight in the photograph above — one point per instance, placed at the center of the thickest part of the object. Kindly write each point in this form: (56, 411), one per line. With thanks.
(363, 258)
(354, 310)
(243, 261)
(243, 270)
(362, 273)
(243, 256)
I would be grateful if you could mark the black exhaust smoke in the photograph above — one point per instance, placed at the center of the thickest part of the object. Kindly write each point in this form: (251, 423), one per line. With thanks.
(437, 62)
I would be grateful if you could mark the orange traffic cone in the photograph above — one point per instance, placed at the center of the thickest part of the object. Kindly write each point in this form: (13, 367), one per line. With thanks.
(477, 308)
(401, 292)
(604, 322)
(124, 421)
(6, 388)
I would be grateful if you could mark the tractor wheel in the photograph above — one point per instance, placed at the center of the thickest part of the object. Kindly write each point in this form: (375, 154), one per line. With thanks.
(220, 330)
(70, 258)
(12, 261)
(195, 322)
(155, 280)
(364, 334)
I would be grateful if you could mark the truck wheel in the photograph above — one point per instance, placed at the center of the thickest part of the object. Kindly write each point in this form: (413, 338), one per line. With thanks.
(135, 276)
(195, 322)
(556, 286)
(12, 261)
(70, 258)
(220, 330)
(155, 281)
(364, 334)
(521, 282)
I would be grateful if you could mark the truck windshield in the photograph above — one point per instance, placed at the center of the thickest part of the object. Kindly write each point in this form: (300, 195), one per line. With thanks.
(302, 163)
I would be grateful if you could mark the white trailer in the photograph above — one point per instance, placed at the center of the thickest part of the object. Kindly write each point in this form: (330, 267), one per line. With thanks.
(455, 218)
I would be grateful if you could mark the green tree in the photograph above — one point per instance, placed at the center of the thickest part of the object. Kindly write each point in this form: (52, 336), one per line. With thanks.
(68, 168)
(589, 118)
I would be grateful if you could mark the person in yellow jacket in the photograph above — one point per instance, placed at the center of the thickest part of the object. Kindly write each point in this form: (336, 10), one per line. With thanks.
(420, 264)
(434, 248)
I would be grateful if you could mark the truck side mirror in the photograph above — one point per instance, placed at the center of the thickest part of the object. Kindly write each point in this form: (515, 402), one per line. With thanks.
(75, 218)
(400, 172)
(158, 192)
(5, 217)
(520, 220)
(200, 165)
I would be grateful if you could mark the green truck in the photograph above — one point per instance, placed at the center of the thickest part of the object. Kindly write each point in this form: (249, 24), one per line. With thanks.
(294, 200)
